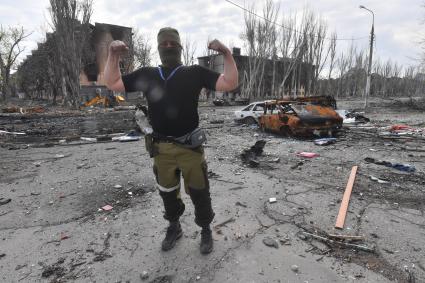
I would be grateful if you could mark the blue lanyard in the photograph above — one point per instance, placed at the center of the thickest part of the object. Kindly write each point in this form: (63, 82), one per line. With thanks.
(171, 74)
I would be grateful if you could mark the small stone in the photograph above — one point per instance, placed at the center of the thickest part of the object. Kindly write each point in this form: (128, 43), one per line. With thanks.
(144, 275)
(294, 268)
(198, 277)
(302, 237)
(270, 242)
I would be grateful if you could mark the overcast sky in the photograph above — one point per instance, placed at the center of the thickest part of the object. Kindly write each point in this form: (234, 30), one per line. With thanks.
(398, 23)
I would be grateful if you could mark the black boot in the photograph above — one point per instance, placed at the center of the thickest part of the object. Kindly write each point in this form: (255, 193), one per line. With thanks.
(174, 232)
(206, 240)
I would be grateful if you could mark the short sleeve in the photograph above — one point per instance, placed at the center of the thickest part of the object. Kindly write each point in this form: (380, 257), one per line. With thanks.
(209, 77)
(136, 81)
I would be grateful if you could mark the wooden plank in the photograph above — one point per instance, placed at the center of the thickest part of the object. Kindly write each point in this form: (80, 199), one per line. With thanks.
(346, 199)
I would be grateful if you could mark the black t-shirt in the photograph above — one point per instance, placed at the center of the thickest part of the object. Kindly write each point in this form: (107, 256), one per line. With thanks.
(172, 103)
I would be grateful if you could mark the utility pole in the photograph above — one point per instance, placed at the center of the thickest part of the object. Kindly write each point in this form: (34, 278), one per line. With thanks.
(369, 69)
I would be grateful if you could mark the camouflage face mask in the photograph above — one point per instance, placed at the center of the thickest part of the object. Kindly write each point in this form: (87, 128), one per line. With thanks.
(169, 47)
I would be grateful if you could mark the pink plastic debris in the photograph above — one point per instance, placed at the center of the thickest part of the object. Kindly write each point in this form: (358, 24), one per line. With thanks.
(107, 207)
(308, 154)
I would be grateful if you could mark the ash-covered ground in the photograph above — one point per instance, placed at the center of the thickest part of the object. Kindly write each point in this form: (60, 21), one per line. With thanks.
(54, 230)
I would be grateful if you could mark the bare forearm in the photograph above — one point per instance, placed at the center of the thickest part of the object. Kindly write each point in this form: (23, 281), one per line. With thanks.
(230, 70)
(112, 73)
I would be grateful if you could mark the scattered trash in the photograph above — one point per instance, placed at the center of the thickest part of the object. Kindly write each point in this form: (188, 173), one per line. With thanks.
(250, 155)
(11, 133)
(308, 154)
(398, 166)
(400, 128)
(107, 207)
(275, 160)
(88, 139)
(380, 181)
(5, 201)
(198, 278)
(294, 268)
(59, 156)
(144, 275)
(352, 117)
(64, 236)
(23, 110)
(131, 136)
(325, 141)
(271, 242)
(272, 200)
(117, 187)
(295, 166)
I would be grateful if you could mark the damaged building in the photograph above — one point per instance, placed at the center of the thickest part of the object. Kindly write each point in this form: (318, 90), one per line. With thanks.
(94, 61)
(274, 72)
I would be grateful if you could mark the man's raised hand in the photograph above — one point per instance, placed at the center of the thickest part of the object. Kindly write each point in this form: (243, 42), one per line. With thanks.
(216, 45)
(118, 47)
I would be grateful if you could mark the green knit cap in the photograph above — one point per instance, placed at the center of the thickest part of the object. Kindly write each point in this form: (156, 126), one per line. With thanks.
(168, 34)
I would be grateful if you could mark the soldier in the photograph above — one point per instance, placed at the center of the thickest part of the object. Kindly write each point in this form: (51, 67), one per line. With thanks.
(172, 92)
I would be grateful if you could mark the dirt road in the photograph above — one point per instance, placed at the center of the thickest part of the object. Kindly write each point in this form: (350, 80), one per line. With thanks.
(54, 230)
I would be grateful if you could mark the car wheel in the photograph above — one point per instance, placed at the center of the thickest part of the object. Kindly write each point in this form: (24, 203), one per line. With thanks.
(285, 131)
(250, 121)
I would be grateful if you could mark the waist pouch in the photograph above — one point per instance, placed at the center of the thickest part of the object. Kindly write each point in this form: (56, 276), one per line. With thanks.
(191, 140)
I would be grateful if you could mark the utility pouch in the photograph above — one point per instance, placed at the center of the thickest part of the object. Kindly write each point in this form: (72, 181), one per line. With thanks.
(150, 148)
(197, 138)
(193, 139)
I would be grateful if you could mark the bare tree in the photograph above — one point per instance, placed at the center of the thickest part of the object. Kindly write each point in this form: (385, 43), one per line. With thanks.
(142, 50)
(189, 50)
(71, 24)
(10, 49)
(260, 40)
(332, 61)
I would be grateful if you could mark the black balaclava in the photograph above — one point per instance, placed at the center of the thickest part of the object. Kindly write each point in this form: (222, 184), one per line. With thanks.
(170, 56)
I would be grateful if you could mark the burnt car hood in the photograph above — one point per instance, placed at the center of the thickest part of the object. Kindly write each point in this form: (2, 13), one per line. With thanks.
(316, 115)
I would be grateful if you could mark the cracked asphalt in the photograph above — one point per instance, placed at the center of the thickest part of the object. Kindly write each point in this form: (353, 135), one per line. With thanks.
(54, 230)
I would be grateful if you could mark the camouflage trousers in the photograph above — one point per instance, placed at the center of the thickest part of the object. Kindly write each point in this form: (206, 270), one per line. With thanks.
(171, 161)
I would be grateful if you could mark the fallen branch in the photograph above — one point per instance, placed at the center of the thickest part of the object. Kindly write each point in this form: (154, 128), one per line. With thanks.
(346, 237)
(329, 241)
(231, 219)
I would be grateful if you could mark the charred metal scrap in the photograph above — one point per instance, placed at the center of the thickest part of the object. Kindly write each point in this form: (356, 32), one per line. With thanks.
(250, 155)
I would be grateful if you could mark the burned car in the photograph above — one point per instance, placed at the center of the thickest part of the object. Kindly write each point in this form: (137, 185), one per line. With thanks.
(300, 119)
(251, 113)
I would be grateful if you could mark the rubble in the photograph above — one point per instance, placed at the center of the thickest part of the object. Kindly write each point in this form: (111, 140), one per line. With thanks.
(307, 193)
(271, 242)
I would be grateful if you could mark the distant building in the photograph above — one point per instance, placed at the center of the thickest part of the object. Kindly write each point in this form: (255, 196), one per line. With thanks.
(94, 58)
(216, 62)
(101, 36)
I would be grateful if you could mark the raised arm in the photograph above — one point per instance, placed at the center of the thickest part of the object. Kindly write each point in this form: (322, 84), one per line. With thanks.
(229, 79)
(112, 73)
